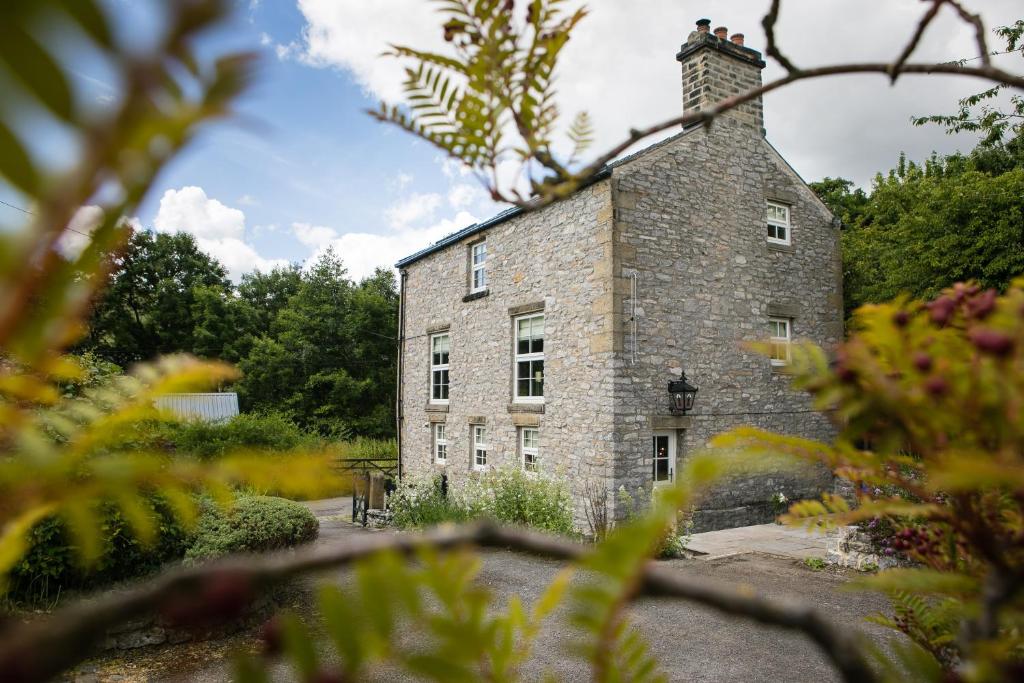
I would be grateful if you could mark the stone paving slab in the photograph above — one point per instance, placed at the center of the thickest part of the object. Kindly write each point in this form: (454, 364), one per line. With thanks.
(771, 539)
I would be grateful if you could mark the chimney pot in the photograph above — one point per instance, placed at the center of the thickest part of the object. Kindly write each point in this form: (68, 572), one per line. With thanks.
(703, 25)
(722, 33)
(737, 39)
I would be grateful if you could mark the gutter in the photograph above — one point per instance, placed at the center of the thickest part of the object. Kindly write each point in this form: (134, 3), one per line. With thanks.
(399, 417)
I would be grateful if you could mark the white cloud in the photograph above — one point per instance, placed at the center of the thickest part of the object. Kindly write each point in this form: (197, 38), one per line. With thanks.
(314, 235)
(362, 253)
(620, 66)
(414, 208)
(265, 39)
(402, 180)
(86, 219)
(248, 200)
(219, 230)
(464, 194)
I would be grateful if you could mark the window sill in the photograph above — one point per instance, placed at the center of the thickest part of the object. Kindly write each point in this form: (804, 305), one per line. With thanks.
(473, 296)
(778, 246)
(518, 407)
(437, 407)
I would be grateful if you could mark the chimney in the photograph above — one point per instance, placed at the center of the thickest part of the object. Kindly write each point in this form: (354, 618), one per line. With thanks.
(715, 68)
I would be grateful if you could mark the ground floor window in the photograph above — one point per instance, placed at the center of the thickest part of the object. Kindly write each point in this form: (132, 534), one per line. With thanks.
(781, 331)
(440, 443)
(663, 457)
(479, 447)
(530, 445)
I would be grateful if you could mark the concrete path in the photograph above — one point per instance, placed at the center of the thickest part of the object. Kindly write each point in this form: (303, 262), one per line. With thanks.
(770, 539)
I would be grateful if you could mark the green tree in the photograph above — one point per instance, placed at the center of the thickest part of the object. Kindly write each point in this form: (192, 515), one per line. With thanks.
(842, 199)
(150, 306)
(328, 360)
(927, 227)
(268, 293)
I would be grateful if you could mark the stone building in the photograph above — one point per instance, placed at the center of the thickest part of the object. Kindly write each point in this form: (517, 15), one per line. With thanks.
(545, 340)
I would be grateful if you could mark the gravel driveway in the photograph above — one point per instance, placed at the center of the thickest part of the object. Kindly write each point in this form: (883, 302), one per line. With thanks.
(691, 643)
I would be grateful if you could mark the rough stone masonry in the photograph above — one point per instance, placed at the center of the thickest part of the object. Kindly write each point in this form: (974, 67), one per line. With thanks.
(660, 265)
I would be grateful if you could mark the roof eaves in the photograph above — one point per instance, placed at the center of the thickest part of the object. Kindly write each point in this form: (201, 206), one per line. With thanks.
(497, 219)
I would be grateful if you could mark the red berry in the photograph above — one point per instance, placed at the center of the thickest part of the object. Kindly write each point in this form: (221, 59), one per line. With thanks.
(942, 310)
(922, 361)
(936, 385)
(271, 636)
(845, 374)
(901, 318)
(992, 341)
(983, 304)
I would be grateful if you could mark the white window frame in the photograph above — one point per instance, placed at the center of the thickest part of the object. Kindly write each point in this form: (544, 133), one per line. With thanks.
(478, 267)
(440, 367)
(670, 457)
(778, 341)
(440, 443)
(531, 357)
(480, 447)
(777, 223)
(530, 455)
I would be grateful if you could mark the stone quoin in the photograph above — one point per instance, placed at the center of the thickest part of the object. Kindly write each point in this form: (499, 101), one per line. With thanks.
(546, 340)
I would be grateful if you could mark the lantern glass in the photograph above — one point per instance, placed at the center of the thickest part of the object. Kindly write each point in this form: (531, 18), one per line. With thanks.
(682, 394)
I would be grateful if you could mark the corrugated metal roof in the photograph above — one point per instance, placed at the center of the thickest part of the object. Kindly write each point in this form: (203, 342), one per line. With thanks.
(207, 407)
(489, 223)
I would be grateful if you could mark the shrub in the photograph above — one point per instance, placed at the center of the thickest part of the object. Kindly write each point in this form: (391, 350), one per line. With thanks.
(672, 543)
(509, 496)
(52, 566)
(253, 524)
(264, 431)
(518, 498)
(362, 447)
(420, 503)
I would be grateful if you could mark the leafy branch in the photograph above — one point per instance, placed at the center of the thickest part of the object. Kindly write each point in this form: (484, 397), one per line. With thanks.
(500, 84)
(44, 648)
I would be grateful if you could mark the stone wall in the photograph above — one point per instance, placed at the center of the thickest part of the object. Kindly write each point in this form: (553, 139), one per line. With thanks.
(557, 260)
(849, 547)
(690, 227)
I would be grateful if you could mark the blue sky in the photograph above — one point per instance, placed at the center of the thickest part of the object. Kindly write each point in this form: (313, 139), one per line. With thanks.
(304, 167)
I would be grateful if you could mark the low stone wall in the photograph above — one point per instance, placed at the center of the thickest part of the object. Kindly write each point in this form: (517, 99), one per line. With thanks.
(154, 630)
(850, 547)
(713, 519)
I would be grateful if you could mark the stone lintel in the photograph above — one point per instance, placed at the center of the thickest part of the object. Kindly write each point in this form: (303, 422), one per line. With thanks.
(477, 420)
(436, 407)
(537, 408)
(783, 310)
(437, 417)
(523, 309)
(526, 419)
(664, 422)
(438, 327)
(782, 195)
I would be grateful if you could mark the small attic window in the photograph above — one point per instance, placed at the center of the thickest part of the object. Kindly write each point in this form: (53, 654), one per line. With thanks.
(478, 267)
(779, 227)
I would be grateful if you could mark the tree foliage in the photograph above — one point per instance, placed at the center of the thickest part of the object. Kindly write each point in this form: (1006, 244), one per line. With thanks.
(925, 227)
(65, 446)
(980, 113)
(311, 343)
(928, 401)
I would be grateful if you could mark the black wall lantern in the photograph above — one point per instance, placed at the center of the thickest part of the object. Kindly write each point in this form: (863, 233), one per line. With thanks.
(682, 394)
